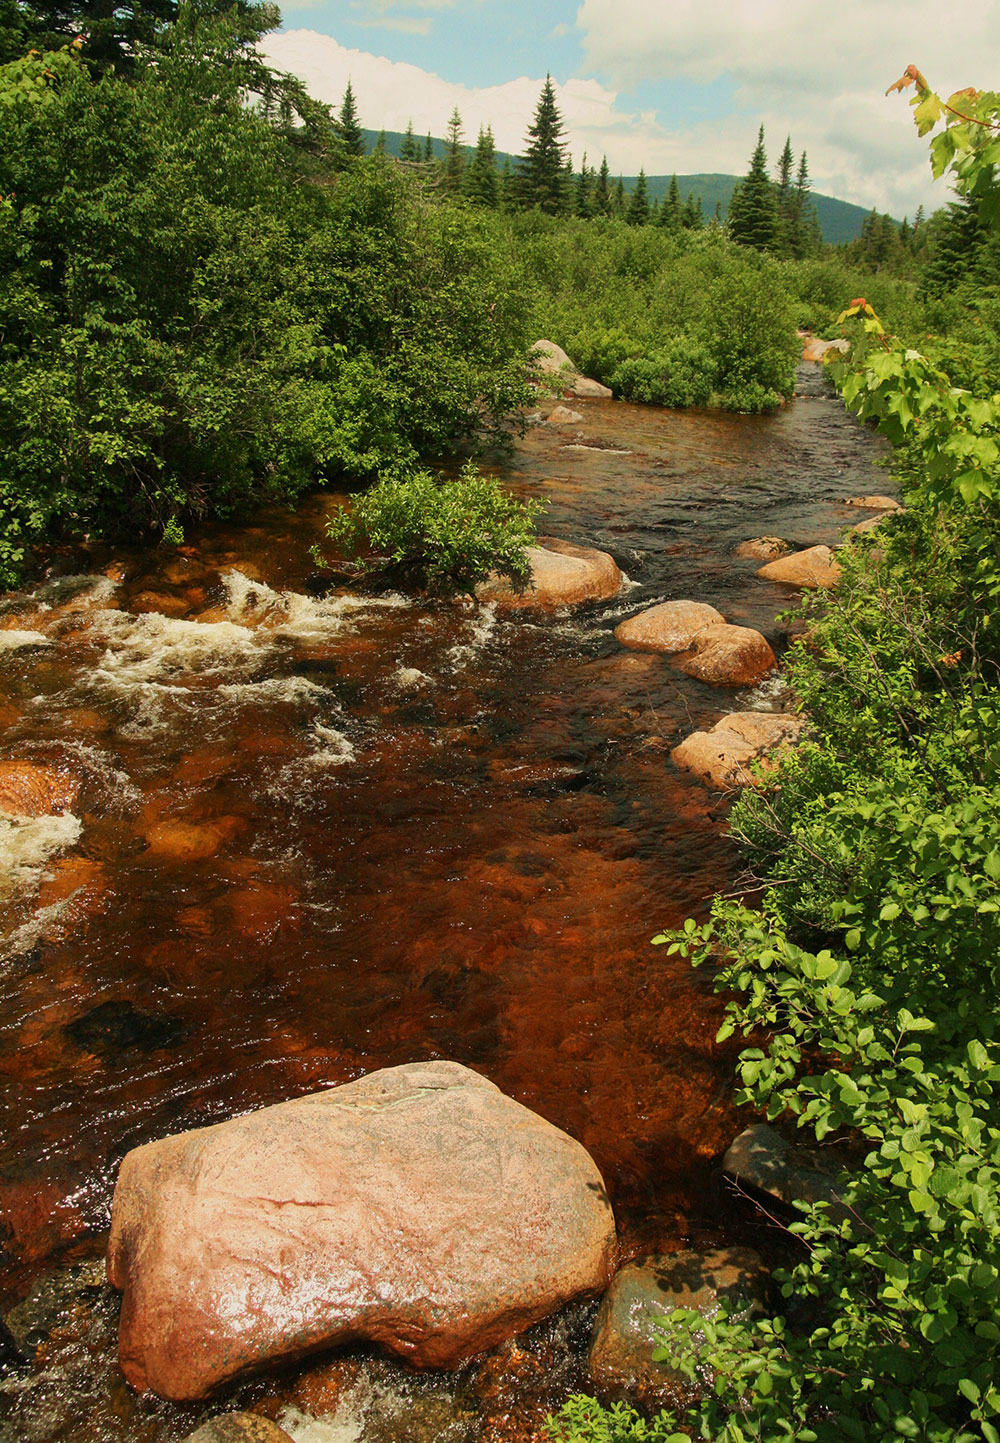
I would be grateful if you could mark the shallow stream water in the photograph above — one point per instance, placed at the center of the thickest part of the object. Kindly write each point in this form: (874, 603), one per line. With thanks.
(320, 832)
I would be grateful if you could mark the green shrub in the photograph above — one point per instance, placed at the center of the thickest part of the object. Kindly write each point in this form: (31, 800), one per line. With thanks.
(442, 535)
(682, 373)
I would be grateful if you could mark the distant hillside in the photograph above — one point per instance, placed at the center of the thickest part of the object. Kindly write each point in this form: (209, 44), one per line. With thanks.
(839, 220)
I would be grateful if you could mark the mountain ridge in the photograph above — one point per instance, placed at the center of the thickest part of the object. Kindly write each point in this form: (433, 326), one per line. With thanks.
(840, 220)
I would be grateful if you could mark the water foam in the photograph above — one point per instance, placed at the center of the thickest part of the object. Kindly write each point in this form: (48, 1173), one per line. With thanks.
(482, 627)
(14, 640)
(294, 615)
(27, 844)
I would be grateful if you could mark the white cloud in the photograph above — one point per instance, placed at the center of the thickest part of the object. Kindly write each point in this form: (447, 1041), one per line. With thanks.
(390, 93)
(818, 72)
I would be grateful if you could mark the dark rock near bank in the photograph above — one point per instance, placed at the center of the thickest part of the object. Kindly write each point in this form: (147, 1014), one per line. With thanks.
(628, 1329)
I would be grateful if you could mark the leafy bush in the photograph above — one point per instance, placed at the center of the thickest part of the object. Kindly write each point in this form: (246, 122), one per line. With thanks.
(442, 535)
(188, 326)
(680, 374)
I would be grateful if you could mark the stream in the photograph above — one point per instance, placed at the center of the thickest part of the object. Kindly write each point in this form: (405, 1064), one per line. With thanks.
(320, 832)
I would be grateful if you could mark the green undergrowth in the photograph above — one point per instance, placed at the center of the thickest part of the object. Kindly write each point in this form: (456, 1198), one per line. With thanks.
(865, 983)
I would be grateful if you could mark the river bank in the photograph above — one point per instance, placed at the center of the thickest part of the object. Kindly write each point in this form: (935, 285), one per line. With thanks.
(318, 838)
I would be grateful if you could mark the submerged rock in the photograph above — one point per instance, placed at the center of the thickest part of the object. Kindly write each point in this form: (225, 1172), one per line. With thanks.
(874, 503)
(809, 569)
(628, 1332)
(727, 655)
(562, 574)
(418, 1208)
(239, 1428)
(671, 626)
(762, 1158)
(722, 756)
(762, 548)
(28, 790)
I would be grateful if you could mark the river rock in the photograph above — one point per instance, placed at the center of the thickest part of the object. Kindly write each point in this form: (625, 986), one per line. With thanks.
(29, 790)
(809, 569)
(722, 756)
(561, 575)
(872, 524)
(727, 655)
(627, 1329)
(762, 1158)
(552, 360)
(874, 503)
(671, 626)
(813, 349)
(178, 841)
(762, 548)
(239, 1428)
(418, 1208)
(563, 416)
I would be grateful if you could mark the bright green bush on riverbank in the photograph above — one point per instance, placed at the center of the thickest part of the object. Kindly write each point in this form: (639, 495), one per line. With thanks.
(866, 983)
(189, 325)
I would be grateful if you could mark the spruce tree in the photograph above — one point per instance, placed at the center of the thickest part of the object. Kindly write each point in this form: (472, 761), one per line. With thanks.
(428, 149)
(602, 189)
(638, 205)
(508, 185)
(583, 198)
(753, 210)
(482, 183)
(454, 152)
(672, 212)
(692, 218)
(803, 233)
(541, 178)
(380, 143)
(618, 198)
(786, 198)
(409, 150)
(349, 126)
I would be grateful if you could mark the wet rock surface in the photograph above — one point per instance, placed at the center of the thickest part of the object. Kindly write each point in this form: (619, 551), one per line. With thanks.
(762, 1158)
(726, 655)
(670, 627)
(761, 548)
(417, 1207)
(628, 1328)
(807, 570)
(722, 756)
(562, 574)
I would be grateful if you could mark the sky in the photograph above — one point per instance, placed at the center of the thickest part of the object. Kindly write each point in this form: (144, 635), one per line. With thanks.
(666, 85)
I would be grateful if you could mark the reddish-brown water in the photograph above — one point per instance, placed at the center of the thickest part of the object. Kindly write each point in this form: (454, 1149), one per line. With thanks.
(321, 833)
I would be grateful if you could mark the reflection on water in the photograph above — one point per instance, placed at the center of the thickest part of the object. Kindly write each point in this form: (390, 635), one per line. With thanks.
(319, 833)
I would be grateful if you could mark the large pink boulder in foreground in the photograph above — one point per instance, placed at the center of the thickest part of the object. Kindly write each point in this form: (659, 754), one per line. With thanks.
(727, 655)
(561, 575)
(723, 755)
(671, 626)
(418, 1208)
(807, 569)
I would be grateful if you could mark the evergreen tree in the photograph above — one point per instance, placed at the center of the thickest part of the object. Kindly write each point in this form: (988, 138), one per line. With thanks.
(618, 198)
(638, 205)
(672, 211)
(379, 143)
(786, 198)
(692, 218)
(349, 126)
(802, 232)
(541, 178)
(428, 149)
(508, 185)
(583, 198)
(753, 210)
(454, 152)
(409, 150)
(482, 183)
(602, 189)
